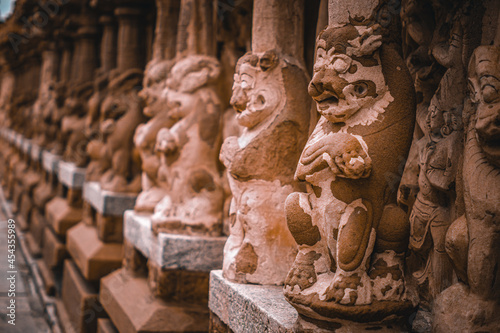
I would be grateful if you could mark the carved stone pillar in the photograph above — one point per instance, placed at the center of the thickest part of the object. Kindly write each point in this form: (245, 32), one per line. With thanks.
(130, 38)
(154, 93)
(274, 112)
(85, 57)
(166, 29)
(352, 236)
(196, 31)
(108, 43)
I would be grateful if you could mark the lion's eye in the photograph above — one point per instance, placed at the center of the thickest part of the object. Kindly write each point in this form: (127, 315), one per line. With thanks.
(361, 89)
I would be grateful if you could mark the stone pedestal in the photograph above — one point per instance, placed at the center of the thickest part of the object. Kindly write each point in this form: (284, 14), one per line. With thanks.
(80, 300)
(249, 308)
(71, 176)
(105, 202)
(93, 257)
(170, 251)
(50, 162)
(132, 308)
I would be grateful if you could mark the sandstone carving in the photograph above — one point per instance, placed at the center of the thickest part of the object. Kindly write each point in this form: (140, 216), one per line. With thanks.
(121, 113)
(472, 241)
(272, 105)
(154, 94)
(189, 170)
(352, 236)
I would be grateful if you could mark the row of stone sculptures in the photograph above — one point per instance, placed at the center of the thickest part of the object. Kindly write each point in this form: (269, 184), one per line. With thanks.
(315, 204)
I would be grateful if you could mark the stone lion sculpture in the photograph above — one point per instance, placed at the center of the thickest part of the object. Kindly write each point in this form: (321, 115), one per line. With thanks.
(352, 236)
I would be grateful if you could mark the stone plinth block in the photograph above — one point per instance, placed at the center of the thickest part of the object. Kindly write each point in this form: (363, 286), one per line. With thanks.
(26, 146)
(80, 300)
(70, 175)
(132, 308)
(54, 251)
(171, 251)
(94, 258)
(50, 161)
(18, 140)
(250, 308)
(106, 202)
(11, 137)
(61, 216)
(36, 152)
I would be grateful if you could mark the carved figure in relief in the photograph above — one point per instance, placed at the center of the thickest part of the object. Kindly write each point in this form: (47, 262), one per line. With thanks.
(189, 170)
(473, 240)
(154, 95)
(121, 113)
(274, 110)
(95, 145)
(352, 236)
(73, 125)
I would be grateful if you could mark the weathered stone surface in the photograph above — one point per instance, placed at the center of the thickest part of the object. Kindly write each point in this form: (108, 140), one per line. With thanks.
(352, 236)
(94, 258)
(36, 153)
(106, 202)
(274, 114)
(54, 251)
(61, 216)
(105, 326)
(50, 161)
(70, 175)
(80, 299)
(171, 251)
(133, 309)
(250, 308)
(175, 285)
(26, 147)
(49, 281)
(109, 228)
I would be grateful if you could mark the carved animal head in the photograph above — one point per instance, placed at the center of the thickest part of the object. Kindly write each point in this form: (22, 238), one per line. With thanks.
(347, 73)
(257, 88)
(188, 76)
(484, 84)
(122, 101)
(154, 87)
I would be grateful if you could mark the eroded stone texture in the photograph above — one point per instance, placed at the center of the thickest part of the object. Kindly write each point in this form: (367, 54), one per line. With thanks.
(275, 114)
(472, 241)
(154, 94)
(189, 140)
(352, 236)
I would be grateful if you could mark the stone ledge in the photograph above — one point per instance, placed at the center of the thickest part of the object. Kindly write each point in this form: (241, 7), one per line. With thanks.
(36, 152)
(50, 161)
(250, 308)
(26, 146)
(71, 176)
(106, 202)
(18, 140)
(172, 251)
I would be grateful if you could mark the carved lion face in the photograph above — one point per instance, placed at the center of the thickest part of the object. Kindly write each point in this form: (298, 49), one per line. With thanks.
(257, 88)
(484, 77)
(347, 72)
(154, 86)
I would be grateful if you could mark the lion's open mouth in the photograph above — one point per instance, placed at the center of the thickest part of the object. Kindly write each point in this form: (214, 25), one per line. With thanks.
(326, 101)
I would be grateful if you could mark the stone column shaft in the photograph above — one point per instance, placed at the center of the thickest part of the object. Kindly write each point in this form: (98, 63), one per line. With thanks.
(108, 44)
(130, 51)
(278, 25)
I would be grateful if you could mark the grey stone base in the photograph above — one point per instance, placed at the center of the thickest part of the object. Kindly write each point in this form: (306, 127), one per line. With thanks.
(36, 152)
(70, 175)
(50, 161)
(172, 251)
(105, 202)
(26, 146)
(18, 140)
(250, 308)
